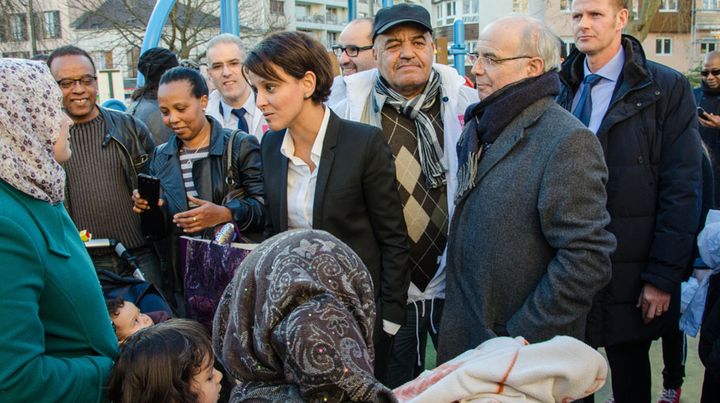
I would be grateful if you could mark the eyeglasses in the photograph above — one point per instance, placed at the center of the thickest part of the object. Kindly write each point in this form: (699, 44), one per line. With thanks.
(85, 81)
(714, 72)
(491, 61)
(350, 50)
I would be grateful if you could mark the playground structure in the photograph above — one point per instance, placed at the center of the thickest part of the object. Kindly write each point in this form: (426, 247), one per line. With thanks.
(230, 23)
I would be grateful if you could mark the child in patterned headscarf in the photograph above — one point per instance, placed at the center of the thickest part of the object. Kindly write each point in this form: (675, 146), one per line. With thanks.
(295, 324)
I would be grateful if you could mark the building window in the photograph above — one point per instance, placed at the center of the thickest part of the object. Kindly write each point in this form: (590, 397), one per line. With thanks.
(18, 27)
(706, 47)
(450, 12)
(133, 55)
(634, 9)
(565, 49)
(103, 59)
(277, 7)
(439, 14)
(332, 38)
(471, 10)
(710, 4)
(566, 5)
(51, 24)
(668, 6)
(663, 46)
(520, 6)
(470, 46)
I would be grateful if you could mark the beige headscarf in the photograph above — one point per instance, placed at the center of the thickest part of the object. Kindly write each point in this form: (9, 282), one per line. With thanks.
(30, 120)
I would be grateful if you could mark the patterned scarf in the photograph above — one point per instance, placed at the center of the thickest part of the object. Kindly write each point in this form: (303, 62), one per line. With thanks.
(432, 158)
(491, 116)
(296, 323)
(30, 121)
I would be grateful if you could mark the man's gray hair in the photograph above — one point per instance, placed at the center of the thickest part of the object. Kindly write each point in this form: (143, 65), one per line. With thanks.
(539, 40)
(225, 38)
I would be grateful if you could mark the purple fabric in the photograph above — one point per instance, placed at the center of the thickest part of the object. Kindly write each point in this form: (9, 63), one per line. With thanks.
(207, 269)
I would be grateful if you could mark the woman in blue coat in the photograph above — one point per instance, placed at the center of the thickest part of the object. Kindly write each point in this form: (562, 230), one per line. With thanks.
(57, 343)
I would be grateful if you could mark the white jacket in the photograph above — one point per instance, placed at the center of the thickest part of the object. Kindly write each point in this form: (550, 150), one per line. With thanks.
(256, 128)
(348, 99)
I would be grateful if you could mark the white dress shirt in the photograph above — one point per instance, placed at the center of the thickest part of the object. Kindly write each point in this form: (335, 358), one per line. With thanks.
(231, 121)
(300, 181)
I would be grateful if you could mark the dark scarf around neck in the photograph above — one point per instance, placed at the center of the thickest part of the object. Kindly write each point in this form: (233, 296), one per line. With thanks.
(492, 115)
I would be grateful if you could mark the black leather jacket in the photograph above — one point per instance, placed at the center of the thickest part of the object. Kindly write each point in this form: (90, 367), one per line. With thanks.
(132, 139)
(247, 210)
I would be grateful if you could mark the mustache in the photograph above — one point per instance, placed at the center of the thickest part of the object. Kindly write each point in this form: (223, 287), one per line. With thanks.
(406, 63)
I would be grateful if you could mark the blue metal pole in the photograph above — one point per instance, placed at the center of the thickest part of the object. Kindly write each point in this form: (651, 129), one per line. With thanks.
(154, 29)
(458, 46)
(387, 3)
(352, 10)
(229, 17)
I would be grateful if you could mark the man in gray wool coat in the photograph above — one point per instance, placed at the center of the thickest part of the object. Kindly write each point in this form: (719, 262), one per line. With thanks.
(528, 248)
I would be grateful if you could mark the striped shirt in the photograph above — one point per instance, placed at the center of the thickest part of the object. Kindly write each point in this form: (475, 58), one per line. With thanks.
(187, 159)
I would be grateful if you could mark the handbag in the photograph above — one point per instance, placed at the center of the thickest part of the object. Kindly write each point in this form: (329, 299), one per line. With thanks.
(236, 191)
(207, 268)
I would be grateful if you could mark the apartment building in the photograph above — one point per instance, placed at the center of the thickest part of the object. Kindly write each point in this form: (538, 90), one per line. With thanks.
(680, 32)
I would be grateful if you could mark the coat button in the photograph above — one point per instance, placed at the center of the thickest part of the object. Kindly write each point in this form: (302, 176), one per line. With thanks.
(657, 92)
(639, 104)
(445, 99)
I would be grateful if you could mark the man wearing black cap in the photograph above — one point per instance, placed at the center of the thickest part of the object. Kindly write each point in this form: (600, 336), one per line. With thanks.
(420, 107)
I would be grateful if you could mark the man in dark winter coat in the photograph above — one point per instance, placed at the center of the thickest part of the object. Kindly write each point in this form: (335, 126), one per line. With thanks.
(707, 97)
(644, 116)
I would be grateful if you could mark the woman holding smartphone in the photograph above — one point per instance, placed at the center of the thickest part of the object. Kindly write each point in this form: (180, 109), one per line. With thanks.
(325, 172)
(191, 167)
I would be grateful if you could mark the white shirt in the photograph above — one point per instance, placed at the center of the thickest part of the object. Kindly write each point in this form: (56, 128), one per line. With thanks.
(602, 92)
(231, 121)
(300, 181)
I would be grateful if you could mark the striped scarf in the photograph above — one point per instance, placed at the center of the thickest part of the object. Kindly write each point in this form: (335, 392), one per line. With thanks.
(432, 158)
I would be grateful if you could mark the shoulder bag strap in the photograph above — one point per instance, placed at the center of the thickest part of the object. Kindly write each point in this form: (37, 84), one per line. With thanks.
(230, 175)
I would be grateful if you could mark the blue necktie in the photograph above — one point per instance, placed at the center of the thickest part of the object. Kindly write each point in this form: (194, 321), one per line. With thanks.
(583, 109)
(242, 124)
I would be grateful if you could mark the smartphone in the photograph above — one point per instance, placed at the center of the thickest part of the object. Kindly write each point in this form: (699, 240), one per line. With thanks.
(149, 189)
(700, 111)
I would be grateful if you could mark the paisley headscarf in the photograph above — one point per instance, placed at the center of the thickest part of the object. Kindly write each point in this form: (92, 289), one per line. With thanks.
(30, 121)
(296, 322)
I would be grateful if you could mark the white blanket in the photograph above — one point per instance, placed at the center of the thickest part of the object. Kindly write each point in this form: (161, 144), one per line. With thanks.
(504, 369)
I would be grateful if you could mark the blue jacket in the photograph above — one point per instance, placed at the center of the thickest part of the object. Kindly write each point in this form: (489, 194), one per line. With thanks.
(652, 149)
(209, 176)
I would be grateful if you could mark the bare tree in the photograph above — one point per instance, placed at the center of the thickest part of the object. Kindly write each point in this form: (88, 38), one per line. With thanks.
(190, 25)
(639, 27)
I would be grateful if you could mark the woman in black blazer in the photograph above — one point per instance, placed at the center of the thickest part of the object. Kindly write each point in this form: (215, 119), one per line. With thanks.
(324, 172)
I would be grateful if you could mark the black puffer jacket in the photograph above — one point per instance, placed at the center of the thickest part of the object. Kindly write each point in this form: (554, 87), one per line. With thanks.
(652, 149)
(209, 175)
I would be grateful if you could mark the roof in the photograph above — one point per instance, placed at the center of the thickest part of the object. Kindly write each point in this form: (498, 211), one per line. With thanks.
(113, 12)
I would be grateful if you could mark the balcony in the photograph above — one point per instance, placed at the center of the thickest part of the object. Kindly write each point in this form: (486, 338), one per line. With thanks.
(707, 19)
(319, 21)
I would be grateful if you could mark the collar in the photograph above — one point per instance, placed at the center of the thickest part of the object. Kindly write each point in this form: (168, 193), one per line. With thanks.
(217, 140)
(288, 146)
(249, 105)
(611, 70)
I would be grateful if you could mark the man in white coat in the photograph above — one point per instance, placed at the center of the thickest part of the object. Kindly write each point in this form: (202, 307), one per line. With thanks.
(420, 107)
(232, 103)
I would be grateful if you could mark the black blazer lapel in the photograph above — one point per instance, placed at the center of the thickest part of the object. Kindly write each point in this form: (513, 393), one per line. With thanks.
(275, 170)
(326, 164)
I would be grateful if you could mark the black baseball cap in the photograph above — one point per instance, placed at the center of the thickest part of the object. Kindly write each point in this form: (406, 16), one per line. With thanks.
(401, 13)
